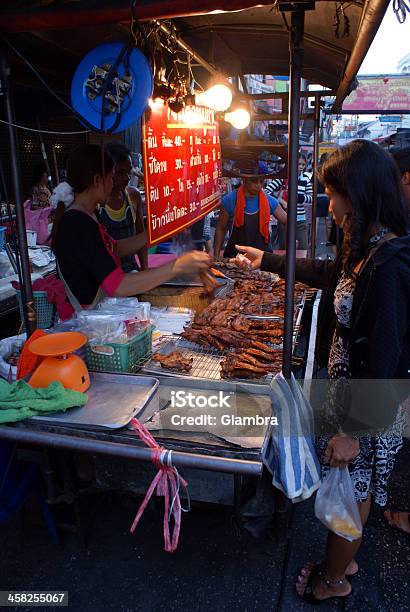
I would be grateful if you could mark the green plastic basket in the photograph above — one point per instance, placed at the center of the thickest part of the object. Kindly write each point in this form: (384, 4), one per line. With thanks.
(112, 357)
(44, 310)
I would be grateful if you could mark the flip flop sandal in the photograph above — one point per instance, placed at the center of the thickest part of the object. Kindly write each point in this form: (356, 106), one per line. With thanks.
(308, 594)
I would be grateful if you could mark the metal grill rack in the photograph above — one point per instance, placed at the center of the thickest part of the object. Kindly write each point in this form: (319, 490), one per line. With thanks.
(206, 361)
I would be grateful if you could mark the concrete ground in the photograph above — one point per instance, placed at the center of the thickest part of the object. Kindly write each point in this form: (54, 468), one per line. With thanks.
(214, 567)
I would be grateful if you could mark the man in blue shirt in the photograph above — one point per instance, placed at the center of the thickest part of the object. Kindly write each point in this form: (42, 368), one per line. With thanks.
(248, 210)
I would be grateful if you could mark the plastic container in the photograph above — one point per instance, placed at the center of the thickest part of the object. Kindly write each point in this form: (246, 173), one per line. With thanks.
(2, 237)
(128, 357)
(43, 308)
(31, 238)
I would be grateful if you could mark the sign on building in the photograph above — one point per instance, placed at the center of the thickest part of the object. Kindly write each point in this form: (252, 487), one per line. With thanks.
(379, 94)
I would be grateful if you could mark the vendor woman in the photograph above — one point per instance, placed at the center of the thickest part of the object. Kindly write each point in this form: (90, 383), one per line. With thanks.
(88, 259)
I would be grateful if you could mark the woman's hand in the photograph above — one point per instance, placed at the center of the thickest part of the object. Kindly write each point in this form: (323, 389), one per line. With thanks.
(341, 451)
(192, 263)
(254, 255)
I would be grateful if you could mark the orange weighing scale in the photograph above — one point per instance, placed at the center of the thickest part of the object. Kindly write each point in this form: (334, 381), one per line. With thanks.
(58, 363)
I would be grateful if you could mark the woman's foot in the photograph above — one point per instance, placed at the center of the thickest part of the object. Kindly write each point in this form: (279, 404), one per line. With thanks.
(399, 520)
(321, 587)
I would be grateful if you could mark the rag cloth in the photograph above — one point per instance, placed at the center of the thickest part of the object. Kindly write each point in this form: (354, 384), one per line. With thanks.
(28, 361)
(289, 449)
(264, 212)
(56, 294)
(19, 401)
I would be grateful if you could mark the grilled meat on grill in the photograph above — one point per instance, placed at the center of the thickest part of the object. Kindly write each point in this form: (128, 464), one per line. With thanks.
(174, 361)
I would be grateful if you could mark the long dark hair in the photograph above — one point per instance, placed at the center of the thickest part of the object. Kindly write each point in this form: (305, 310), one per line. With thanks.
(369, 178)
(82, 166)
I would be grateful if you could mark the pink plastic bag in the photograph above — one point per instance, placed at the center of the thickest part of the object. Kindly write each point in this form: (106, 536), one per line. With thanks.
(37, 220)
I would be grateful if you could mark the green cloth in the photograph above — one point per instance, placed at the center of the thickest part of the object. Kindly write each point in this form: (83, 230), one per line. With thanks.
(19, 401)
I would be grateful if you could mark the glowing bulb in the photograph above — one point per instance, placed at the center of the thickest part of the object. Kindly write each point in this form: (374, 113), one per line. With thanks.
(218, 97)
(156, 103)
(239, 118)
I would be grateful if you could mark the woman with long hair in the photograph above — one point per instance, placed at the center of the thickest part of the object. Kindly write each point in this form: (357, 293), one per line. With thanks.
(88, 259)
(364, 334)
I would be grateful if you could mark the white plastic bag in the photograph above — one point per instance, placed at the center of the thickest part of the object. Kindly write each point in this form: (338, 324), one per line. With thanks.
(336, 506)
(7, 347)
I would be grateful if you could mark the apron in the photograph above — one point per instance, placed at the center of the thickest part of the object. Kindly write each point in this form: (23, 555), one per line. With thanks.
(247, 235)
(100, 295)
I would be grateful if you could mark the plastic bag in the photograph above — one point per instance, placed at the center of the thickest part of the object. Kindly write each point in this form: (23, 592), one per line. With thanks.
(135, 315)
(336, 506)
(8, 347)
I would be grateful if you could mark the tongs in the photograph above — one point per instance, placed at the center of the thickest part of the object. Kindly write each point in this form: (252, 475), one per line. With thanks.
(225, 288)
(219, 274)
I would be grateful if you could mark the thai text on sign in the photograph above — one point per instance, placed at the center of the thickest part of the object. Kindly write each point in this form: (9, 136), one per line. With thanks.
(182, 161)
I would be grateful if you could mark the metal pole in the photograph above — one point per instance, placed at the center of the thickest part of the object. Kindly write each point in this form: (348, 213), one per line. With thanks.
(44, 154)
(130, 451)
(296, 62)
(27, 291)
(314, 177)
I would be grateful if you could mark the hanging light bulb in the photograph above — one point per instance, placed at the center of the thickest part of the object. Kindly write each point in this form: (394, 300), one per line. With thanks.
(239, 118)
(218, 97)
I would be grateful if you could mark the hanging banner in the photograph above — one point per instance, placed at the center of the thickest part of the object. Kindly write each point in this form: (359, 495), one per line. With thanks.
(182, 162)
(378, 94)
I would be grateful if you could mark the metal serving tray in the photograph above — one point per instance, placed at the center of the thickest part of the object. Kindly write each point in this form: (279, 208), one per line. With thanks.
(248, 399)
(113, 400)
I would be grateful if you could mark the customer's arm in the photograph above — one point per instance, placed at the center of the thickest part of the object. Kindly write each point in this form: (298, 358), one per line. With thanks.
(313, 272)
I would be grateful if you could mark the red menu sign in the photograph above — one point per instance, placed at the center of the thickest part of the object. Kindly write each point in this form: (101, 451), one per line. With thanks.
(182, 160)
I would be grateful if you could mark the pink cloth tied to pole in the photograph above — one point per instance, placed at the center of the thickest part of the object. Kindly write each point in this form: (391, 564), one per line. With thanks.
(167, 481)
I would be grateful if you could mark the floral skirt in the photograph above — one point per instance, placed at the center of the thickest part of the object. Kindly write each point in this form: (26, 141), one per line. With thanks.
(371, 469)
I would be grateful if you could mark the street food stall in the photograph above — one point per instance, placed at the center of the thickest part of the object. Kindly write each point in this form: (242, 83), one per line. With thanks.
(255, 325)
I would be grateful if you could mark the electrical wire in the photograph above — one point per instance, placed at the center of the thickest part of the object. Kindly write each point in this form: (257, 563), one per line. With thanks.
(23, 127)
(38, 75)
(46, 85)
